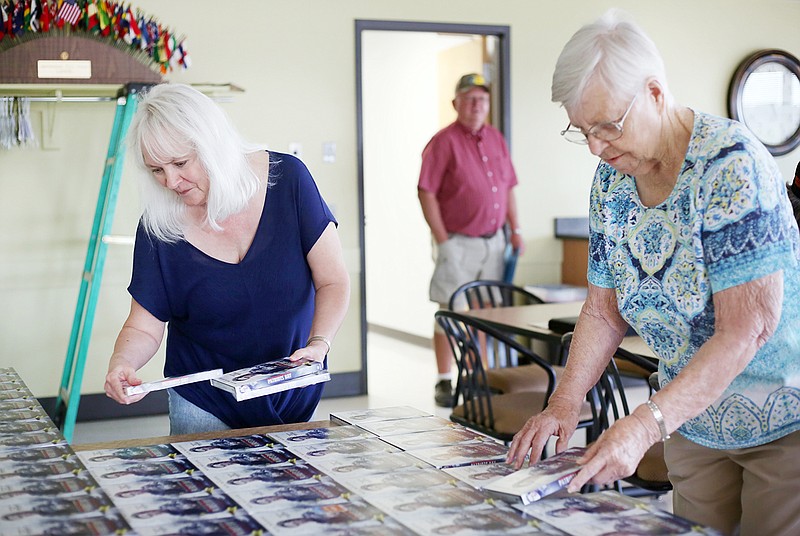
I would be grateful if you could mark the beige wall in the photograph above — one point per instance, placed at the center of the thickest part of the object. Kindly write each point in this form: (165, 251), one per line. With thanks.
(295, 58)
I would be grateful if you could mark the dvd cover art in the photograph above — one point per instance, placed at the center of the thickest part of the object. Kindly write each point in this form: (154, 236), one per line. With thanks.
(96, 523)
(29, 403)
(327, 453)
(479, 476)
(273, 497)
(408, 480)
(321, 435)
(159, 510)
(386, 527)
(498, 521)
(401, 504)
(239, 524)
(18, 394)
(22, 511)
(409, 425)
(26, 425)
(271, 377)
(69, 484)
(46, 436)
(92, 458)
(22, 413)
(41, 453)
(41, 469)
(466, 454)
(361, 416)
(354, 468)
(216, 463)
(608, 512)
(540, 479)
(132, 471)
(286, 473)
(437, 438)
(317, 519)
(179, 487)
(223, 444)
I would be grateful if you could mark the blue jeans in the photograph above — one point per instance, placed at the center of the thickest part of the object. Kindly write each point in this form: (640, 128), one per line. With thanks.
(186, 418)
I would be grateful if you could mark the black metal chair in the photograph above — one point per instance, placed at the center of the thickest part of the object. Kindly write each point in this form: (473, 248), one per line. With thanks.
(506, 373)
(478, 406)
(485, 293)
(609, 402)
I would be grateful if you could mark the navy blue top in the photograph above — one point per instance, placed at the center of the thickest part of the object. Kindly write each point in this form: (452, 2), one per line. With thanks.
(230, 316)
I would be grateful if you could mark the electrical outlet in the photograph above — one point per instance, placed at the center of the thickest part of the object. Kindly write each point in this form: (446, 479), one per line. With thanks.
(329, 152)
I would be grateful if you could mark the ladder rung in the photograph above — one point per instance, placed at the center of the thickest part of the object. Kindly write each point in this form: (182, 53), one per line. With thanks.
(118, 240)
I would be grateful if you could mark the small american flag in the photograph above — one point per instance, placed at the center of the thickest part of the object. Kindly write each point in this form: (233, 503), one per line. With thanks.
(69, 12)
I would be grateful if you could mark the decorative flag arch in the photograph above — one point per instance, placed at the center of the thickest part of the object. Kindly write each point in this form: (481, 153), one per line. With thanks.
(118, 24)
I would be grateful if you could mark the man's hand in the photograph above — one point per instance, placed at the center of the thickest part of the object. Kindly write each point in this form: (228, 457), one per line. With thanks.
(517, 242)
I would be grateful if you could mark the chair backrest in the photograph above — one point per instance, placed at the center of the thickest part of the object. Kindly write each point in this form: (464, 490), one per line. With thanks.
(485, 293)
(469, 338)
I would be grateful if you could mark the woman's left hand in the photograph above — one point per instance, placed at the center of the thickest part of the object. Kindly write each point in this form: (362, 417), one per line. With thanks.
(615, 455)
(315, 351)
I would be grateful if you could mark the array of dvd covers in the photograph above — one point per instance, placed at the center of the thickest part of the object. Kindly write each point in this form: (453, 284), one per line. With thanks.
(44, 487)
(388, 471)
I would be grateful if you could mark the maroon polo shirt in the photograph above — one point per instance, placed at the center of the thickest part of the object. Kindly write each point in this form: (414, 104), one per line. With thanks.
(471, 175)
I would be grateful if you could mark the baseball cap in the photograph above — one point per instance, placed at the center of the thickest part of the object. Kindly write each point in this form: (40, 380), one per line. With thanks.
(469, 81)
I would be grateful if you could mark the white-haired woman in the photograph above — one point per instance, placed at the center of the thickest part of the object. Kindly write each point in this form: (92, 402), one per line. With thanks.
(693, 243)
(236, 252)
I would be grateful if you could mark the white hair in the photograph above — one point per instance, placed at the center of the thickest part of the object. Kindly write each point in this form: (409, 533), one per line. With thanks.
(174, 121)
(615, 52)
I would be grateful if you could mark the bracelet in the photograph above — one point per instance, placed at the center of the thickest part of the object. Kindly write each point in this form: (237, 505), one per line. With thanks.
(518, 231)
(320, 338)
(659, 417)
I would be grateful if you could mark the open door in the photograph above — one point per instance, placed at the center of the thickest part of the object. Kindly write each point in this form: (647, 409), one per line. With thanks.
(406, 76)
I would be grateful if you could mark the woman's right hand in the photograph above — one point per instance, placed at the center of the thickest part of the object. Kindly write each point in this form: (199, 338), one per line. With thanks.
(121, 375)
(556, 420)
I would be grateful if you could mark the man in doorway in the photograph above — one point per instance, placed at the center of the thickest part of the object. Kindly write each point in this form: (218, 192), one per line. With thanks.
(466, 192)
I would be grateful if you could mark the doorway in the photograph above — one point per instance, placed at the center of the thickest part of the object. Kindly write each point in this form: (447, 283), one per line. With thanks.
(405, 77)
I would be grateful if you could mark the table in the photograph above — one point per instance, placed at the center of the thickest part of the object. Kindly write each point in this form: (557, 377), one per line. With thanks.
(373, 478)
(201, 436)
(532, 321)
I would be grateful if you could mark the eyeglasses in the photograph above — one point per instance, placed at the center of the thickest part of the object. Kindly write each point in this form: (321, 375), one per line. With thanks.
(606, 131)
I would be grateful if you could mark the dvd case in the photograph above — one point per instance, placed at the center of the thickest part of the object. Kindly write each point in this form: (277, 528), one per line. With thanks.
(406, 426)
(609, 512)
(271, 377)
(531, 483)
(437, 438)
(479, 476)
(173, 381)
(360, 416)
(321, 435)
(466, 454)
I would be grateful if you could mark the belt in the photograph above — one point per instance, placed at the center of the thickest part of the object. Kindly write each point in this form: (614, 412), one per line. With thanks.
(485, 237)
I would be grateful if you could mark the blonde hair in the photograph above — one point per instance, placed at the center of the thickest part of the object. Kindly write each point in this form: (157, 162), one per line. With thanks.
(174, 121)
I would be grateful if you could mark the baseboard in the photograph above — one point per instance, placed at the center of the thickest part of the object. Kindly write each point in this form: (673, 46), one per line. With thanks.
(97, 406)
(425, 342)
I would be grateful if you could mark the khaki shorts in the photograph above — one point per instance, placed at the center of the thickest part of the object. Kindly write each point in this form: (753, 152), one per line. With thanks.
(462, 259)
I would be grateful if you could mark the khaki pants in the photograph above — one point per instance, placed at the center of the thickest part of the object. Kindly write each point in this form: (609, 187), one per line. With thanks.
(756, 489)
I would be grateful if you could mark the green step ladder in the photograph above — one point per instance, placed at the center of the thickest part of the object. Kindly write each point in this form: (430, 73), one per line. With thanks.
(69, 393)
